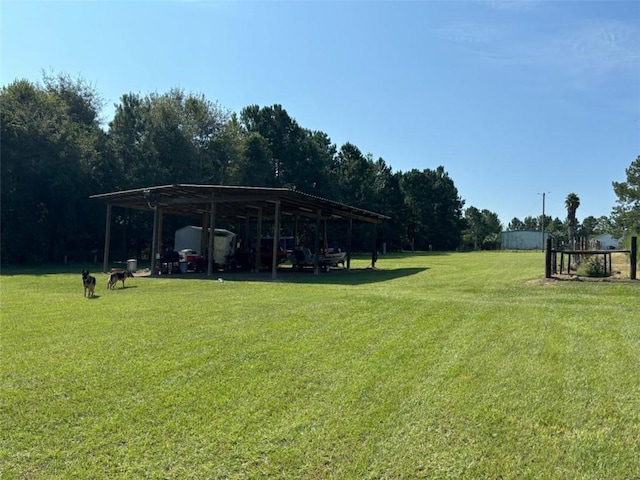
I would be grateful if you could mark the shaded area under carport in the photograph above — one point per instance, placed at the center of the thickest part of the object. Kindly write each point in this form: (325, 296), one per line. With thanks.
(233, 204)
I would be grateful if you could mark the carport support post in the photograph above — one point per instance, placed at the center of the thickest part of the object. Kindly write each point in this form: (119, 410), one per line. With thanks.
(258, 265)
(246, 241)
(212, 234)
(204, 235)
(349, 235)
(633, 258)
(107, 240)
(316, 244)
(154, 242)
(374, 252)
(160, 226)
(276, 241)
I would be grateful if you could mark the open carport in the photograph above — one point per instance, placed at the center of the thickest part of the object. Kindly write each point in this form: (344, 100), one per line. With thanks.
(235, 204)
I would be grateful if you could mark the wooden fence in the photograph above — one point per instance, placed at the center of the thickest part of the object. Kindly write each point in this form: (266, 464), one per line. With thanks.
(551, 258)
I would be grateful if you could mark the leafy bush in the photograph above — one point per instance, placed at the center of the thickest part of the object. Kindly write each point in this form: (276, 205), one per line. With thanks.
(593, 266)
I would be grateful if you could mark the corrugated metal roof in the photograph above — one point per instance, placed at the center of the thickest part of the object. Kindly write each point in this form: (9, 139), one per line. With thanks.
(233, 202)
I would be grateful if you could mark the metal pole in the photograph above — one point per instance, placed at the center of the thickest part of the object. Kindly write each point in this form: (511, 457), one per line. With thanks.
(154, 243)
(212, 238)
(374, 251)
(276, 241)
(107, 240)
(258, 264)
(542, 222)
(316, 244)
(349, 235)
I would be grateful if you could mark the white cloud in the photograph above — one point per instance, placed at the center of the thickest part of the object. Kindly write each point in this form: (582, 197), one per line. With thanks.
(511, 5)
(468, 32)
(601, 47)
(583, 54)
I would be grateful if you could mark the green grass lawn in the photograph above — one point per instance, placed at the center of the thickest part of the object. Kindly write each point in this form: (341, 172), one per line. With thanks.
(434, 366)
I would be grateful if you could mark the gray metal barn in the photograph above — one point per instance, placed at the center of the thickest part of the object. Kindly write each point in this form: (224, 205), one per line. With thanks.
(523, 240)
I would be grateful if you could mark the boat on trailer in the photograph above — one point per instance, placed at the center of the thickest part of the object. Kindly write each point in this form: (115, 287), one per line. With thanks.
(302, 257)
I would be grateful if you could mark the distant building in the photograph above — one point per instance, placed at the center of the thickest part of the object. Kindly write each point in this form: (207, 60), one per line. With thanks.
(607, 241)
(523, 240)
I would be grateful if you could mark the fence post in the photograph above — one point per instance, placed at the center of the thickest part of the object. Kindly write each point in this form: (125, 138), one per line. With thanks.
(634, 257)
(547, 260)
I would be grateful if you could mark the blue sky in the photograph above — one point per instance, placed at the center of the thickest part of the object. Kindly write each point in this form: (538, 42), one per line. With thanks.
(512, 98)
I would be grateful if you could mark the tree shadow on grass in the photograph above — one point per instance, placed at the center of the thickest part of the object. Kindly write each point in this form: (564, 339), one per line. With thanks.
(336, 276)
(50, 269)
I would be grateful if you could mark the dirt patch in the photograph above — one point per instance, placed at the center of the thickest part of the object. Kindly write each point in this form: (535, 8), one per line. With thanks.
(617, 277)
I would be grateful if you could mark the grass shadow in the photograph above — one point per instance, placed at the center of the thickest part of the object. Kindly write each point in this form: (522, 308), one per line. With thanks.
(336, 276)
(51, 269)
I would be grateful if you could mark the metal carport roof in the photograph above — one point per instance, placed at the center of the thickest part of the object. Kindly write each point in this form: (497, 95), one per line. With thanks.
(232, 202)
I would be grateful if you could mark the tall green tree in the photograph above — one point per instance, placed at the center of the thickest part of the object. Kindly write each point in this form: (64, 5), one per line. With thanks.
(310, 168)
(51, 152)
(588, 227)
(297, 158)
(160, 139)
(448, 207)
(531, 223)
(127, 137)
(167, 138)
(255, 163)
(389, 201)
(435, 209)
(515, 224)
(282, 134)
(229, 165)
(626, 214)
(557, 229)
(483, 228)
(604, 224)
(356, 175)
(474, 228)
(492, 229)
(572, 202)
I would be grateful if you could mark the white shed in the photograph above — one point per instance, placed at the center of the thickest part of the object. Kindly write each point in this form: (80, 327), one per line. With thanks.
(523, 240)
(607, 241)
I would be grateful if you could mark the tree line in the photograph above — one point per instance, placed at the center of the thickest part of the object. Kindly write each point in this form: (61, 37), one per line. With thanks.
(623, 222)
(56, 152)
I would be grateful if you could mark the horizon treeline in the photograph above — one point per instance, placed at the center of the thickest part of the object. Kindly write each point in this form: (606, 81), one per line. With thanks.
(56, 153)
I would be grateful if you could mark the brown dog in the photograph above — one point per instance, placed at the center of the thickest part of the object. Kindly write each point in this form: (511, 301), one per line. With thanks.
(89, 283)
(118, 275)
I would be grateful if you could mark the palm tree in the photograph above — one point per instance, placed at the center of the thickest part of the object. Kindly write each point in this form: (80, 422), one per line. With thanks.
(572, 203)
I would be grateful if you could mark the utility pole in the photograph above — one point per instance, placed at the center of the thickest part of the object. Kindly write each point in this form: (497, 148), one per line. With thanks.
(542, 221)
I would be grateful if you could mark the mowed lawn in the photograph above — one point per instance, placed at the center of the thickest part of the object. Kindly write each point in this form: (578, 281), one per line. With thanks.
(453, 366)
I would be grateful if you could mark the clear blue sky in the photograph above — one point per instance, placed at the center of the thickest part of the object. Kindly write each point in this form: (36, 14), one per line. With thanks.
(512, 98)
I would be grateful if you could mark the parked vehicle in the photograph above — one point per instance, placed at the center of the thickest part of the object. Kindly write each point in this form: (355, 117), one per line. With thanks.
(302, 257)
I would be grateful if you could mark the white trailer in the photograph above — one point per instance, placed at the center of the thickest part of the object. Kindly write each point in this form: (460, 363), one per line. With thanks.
(190, 238)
